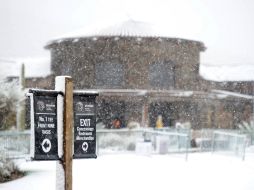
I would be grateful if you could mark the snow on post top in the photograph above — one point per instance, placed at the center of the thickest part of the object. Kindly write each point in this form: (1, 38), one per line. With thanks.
(60, 83)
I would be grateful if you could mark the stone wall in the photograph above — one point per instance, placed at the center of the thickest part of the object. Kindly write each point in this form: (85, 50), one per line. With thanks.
(78, 59)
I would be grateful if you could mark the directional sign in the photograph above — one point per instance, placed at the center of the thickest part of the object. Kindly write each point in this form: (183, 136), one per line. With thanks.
(84, 125)
(85, 146)
(45, 125)
(46, 145)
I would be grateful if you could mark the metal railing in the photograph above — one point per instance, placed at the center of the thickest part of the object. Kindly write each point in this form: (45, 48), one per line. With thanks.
(14, 144)
(231, 143)
(160, 141)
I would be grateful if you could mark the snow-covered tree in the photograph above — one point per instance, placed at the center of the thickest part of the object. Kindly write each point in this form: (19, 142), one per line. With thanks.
(9, 170)
(10, 95)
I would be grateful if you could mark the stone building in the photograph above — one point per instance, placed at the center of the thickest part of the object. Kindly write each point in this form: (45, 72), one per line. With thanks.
(141, 74)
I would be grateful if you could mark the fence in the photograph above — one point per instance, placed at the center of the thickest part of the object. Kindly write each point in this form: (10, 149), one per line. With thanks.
(229, 143)
(14, 144)
(143, 140)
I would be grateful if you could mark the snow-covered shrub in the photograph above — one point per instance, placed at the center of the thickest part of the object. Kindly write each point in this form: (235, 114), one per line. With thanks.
(117, 142)
(9, 170)
(110, 140)
(133, 124)
(100, 125)
(131, 142)
(247, 128)
(186, 125)
(10, 95)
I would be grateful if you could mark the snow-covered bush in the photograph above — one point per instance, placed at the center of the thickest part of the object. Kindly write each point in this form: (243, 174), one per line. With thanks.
(111, 140)
(186, 125)
(133, 124)
(9, 170)
(10, 95)
(100, 125)
(247, 128)
(117, 142)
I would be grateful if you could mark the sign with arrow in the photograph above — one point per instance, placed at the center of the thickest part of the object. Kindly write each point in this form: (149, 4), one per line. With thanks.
(46, 145)
(44, 108)
(84, 125)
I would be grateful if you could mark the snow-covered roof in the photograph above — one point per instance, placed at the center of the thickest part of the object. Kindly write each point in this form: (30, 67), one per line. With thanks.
(224, 94)
(227, 72)
(129, 28)
(34, 67)
(119, 92)
(140, 92)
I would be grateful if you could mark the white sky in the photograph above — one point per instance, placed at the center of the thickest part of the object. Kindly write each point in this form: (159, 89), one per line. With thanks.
(225, 26)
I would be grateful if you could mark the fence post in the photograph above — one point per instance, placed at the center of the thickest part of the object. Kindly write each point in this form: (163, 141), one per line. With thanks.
(64, 165)
(202, 139)
(244, 147)
(97, 143)
(187, 145)
(213, 143)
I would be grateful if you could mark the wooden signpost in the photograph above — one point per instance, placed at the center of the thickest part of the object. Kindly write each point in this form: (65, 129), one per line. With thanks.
(64, 165)
(52, 125)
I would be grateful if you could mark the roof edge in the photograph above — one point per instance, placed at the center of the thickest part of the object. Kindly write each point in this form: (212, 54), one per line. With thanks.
(95, 37)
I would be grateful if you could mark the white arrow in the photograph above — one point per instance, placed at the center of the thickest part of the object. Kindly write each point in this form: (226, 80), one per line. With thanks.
(85, 146)
(46, 145)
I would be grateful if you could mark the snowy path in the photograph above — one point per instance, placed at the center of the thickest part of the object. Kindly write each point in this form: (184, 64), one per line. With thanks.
(127, 171)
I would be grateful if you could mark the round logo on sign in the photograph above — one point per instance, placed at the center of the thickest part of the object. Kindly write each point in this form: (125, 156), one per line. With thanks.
(79, 106)
(46, 145)
(84, 146)
(40, 105)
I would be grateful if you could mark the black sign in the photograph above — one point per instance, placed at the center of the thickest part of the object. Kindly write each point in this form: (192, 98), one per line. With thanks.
(45, 125)
(84, 125)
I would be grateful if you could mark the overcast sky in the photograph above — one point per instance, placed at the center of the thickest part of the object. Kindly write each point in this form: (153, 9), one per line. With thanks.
(225, 26)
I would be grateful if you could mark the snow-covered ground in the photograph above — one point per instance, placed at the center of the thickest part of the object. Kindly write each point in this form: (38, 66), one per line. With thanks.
(130, 171)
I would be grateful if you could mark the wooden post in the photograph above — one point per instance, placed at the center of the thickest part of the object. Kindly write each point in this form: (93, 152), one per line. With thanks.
(21, 104)
(145, 113)
(64, 165)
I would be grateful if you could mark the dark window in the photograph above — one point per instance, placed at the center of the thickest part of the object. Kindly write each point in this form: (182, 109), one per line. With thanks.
(109, 75)
(161, 75)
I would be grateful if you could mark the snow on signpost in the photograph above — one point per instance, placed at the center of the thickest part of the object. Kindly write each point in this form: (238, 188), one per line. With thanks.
(51, 116)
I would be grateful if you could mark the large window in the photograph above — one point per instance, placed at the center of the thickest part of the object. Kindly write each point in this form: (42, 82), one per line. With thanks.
(161, 75)
(109, 75)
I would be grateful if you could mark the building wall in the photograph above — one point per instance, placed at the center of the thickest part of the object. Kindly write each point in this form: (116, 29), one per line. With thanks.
(243, 87)
(78, 59)
(134, 57)
(42, 82)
